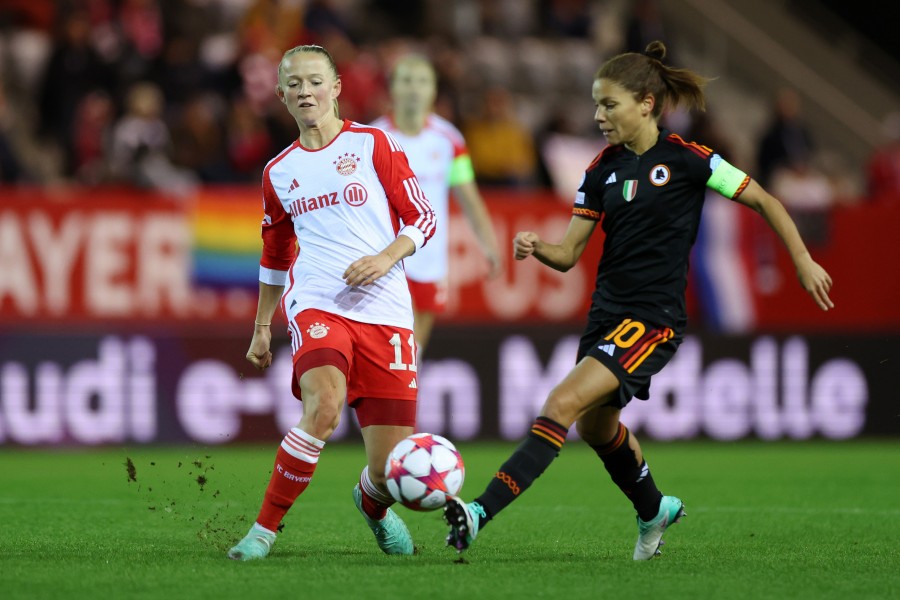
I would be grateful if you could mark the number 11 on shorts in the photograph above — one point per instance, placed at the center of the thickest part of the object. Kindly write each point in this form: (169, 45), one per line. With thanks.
(398, 364)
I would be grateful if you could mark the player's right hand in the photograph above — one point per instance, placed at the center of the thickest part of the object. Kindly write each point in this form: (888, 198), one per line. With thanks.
(259, 354)
(524, 244)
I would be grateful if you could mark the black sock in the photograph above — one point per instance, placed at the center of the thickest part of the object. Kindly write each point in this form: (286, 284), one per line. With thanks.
(632, 478)
(531, 458)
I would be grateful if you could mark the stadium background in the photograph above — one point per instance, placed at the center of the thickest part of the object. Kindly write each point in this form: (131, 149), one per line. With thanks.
(125, 304)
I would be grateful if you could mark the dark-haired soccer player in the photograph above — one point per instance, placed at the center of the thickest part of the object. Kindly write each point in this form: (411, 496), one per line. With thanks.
(647, 187)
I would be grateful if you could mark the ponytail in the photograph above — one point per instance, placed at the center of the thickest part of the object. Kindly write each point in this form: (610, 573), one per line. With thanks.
(646, 73)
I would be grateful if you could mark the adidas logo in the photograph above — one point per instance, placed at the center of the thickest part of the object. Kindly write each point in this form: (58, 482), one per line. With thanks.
(611, 179)
(645, 470)
(294, 186)
(608, 348)
(412, 384)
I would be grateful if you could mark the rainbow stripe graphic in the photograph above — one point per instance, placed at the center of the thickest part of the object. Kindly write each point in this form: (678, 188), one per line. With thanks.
(227, 243)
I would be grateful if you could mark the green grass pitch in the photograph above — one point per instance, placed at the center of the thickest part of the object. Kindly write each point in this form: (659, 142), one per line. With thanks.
(765, 520)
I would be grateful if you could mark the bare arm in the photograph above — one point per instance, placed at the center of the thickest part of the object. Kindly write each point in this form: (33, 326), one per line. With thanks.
(814, 279)
(260, 354)
(561, 256)
(476, 212)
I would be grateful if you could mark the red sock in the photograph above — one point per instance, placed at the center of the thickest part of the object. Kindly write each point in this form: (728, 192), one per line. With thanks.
(295, 463)
(374, 502)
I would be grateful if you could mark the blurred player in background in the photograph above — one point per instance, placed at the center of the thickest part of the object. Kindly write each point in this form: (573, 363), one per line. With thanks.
(438, 156)
(341, 190)
(648, 186)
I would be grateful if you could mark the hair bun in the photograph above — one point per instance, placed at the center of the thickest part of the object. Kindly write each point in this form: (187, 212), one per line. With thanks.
(655, 49)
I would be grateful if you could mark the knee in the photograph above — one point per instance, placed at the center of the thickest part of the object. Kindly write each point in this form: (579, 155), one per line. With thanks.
(328, 418)
(323, 417)
(563, 406)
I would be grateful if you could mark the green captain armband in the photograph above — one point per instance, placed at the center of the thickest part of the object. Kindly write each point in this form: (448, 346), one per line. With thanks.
(726, 179)
(461, 170)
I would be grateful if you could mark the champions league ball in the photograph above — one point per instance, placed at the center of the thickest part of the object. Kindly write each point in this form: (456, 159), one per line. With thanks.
(422, 470)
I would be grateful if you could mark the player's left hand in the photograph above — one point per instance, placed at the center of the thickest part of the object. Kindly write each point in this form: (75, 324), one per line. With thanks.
(367, 270)
(816, 281)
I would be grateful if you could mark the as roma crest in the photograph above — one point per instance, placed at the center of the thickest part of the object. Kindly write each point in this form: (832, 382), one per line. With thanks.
(659, 175)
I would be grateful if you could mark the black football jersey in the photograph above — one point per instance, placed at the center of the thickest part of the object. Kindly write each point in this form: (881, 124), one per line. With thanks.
(649, 207)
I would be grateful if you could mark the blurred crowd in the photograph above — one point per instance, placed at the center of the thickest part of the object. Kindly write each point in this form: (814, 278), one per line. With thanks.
(172, 94)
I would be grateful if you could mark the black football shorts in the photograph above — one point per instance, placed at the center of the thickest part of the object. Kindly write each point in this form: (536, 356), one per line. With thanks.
(633, 348)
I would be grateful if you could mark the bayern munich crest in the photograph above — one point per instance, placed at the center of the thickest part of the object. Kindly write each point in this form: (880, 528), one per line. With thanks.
(346, 164)
(317, 330)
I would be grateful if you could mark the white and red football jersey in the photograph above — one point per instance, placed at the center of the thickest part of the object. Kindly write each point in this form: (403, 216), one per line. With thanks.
(439, 158)
(341, 202)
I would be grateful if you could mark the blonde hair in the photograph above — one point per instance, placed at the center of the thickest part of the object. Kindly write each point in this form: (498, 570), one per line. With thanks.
(312, 49)
(645, 73)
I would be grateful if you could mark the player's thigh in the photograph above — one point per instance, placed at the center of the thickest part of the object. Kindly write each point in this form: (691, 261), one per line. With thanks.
(586, 386)
(424, 323)
(323, 390)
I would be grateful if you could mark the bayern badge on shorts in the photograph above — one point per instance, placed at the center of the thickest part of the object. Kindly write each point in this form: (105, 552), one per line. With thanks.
(317, 330)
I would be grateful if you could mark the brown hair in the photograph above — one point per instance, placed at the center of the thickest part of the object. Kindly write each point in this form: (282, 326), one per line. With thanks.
(313, 49)
(645, 73)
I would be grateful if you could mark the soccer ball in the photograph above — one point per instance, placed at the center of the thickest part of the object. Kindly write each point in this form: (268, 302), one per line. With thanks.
(422, 469)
